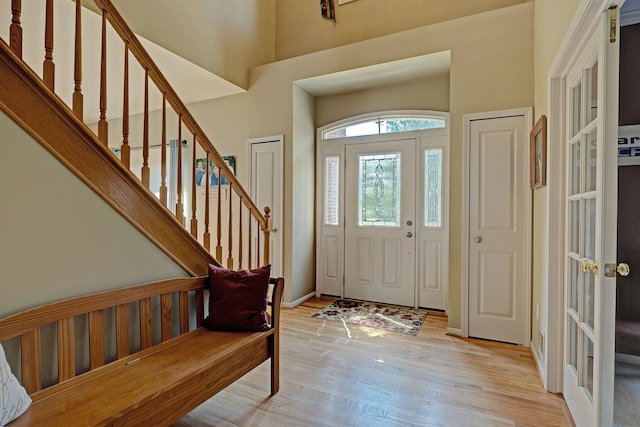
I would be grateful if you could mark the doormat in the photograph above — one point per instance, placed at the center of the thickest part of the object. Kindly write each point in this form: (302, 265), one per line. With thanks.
(391, 318)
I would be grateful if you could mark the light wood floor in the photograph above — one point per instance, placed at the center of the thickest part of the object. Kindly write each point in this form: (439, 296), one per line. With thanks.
(337, 375)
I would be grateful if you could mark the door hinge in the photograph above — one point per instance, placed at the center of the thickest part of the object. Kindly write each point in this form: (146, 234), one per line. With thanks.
(613, 24)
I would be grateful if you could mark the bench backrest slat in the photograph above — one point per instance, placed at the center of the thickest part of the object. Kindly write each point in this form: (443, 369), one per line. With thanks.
(66, 349)
(184, 312)
(146, 330)
(96, 338)
(31, 378)
(165, 316)
(122, 330)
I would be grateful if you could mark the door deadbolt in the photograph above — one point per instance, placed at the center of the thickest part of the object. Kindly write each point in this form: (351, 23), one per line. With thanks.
(409, 234)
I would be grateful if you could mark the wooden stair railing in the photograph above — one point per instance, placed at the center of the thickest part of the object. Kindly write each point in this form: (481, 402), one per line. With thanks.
(219, 180)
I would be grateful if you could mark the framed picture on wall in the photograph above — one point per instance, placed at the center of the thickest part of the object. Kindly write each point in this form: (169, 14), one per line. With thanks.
(538, 153)
(214, 173)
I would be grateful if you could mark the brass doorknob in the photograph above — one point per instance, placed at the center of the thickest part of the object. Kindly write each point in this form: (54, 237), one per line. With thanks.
(623, 269)
(590, 266)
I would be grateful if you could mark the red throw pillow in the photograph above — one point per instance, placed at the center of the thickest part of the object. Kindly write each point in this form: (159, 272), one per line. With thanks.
(238, 299)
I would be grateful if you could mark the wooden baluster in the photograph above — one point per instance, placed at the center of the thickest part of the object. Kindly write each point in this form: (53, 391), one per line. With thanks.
(230, 257)
(163, 154)
(219, 246)
(78, 98)
(66, 349)
(194, 220)
(240, 235)
(31, 363)
(96, 338)
(125, 150)
(165, 316)
(48, 66)
(179, 206)
(122, 330)
(146, 172)
(249, 257)
(267, 234)
(146, 330)
(207, 234)
(15, 30)
(258, 244)
(103, 126)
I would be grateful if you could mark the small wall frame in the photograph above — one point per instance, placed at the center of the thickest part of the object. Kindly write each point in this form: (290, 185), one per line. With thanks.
(538, 153)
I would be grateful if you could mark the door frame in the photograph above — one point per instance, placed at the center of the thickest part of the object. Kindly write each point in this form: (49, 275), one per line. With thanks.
(585, 20)
(280, 185)
(466, 206)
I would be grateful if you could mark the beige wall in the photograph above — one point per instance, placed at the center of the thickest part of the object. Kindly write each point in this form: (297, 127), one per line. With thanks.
(431, 93)
(488, 72)
(59, 239)
(301, 29)
(225, 37)
(552, 19)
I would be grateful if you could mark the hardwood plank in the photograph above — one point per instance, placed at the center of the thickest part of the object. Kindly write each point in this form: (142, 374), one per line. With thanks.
(332, 374)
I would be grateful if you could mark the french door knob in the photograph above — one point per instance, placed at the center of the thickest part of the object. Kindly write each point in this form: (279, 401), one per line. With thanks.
(477, 239)
(623, 269)
(409, 234)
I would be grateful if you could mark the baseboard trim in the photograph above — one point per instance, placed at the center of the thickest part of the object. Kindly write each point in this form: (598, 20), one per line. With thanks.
(454, 331)
(539, 365)
(628, 358)
(299, 301)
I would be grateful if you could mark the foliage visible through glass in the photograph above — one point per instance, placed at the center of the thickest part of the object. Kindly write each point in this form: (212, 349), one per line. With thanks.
(379, 190)
(433, 188)
(331, 190)
(382, 125)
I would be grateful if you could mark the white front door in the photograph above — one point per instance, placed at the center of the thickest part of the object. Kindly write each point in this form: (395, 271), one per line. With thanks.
(590, 222)
(498, 226)
(380, 215)
(266, 190)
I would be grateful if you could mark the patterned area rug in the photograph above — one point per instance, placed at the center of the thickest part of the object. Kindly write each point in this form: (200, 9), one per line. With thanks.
(392, 318)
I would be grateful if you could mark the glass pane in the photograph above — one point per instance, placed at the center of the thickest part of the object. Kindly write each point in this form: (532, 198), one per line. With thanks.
(592, 160)
(575, 283)
(380, 125)
(587, 366)
(433, 188)
(573, 344)
(592, 92)
(379, 190)
(590, 229)
(331, 190)
(574, 219)
(589, 298)
(576, 108)
(575, 168)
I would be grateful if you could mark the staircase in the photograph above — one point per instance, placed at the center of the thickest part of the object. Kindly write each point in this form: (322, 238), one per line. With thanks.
(166, 199)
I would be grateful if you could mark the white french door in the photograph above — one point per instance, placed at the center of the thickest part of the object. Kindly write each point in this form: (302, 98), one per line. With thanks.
(590, 224)
(380, 220)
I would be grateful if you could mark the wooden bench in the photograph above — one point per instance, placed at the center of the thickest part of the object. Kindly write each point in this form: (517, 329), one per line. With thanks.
(165, 376)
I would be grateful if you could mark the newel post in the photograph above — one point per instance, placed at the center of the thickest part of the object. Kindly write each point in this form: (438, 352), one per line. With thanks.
(267, 236)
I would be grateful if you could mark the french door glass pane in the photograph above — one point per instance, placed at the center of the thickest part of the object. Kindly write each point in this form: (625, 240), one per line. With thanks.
(592, 92)
(592, 158)
(574, 237)
(590, 229)
(575, 283)
(331, 190)
(589, 298)
(379, 190)
(587, 365)
(576, 110)
(433, 188)
(573, 344)
(575, 168)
